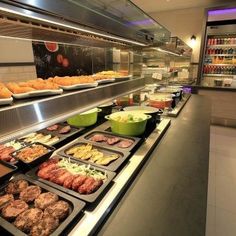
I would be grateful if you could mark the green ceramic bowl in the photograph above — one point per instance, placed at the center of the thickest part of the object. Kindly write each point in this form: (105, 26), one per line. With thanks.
(84, 119)
(130, 128)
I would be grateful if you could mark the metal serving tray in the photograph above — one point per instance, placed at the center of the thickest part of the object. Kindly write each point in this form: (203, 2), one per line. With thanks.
(76, 207)
(88, 198)
(7, 176)
(63, 138)
(135, 140)
(38, 160)
(112, 166)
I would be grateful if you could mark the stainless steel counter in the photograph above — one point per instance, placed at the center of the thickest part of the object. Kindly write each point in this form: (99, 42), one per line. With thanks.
(30, 115)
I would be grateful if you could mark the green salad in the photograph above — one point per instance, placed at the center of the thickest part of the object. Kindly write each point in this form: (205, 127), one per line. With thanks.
(129, 118)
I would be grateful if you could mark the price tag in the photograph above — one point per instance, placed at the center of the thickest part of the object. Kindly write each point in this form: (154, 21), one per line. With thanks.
(157, 76)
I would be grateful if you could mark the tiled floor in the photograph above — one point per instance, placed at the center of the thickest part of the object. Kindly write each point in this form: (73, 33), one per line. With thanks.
(221, 210)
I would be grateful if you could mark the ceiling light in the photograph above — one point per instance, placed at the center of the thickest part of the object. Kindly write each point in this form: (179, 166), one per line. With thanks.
(193, 38)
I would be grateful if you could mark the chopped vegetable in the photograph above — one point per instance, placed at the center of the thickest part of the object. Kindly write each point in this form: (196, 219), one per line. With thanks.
(129, 118)
(87, 170)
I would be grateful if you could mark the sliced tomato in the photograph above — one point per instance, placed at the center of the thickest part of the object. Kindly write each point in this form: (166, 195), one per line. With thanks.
(51, 47)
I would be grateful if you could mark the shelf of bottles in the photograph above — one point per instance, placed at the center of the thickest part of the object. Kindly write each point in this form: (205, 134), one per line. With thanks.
(220, 56)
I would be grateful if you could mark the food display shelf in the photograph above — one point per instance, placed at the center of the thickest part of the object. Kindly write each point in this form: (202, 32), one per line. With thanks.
(220, 55)
(92, 219)
(221, 45)
(217, 75)
(215, 64)
(31, 115)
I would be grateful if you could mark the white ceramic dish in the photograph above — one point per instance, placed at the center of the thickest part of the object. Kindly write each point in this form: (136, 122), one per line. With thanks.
(6, 101)
(123, 78)
(38, 93)
(105, 81)
(80, 86)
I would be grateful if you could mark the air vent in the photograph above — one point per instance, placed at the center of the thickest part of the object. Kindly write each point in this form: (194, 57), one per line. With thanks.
(13, 26)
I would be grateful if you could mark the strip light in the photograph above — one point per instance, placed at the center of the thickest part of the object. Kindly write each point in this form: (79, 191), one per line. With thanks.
(168, 52)
(71, 26)
(222, 11)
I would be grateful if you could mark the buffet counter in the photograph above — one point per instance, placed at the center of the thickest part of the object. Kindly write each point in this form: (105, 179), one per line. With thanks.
(169, 197)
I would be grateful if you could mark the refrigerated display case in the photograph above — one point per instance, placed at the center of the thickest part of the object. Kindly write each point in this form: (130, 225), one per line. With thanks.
(219, 66)
(218, 50)
(169, 64)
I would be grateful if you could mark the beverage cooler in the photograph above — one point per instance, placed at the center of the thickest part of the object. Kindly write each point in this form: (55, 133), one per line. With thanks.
(219, 55)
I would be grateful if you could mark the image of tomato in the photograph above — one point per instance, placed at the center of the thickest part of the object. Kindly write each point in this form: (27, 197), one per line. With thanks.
(65, 62)
(59, 58)
(51, 47)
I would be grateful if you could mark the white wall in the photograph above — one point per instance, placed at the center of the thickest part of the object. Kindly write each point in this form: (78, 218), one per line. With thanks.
(13, 50)
(184, 23)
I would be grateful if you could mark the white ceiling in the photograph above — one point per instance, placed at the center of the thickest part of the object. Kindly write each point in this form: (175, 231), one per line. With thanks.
(166, 5)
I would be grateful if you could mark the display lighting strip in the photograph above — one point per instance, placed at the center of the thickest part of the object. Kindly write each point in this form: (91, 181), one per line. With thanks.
(71, 26)
(222, 11)
(168, 52)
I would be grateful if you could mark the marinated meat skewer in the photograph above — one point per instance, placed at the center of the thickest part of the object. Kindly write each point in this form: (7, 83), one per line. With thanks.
(56, 174)
(5, 153)
(84, 187)
(78, 182)
(69, 181)
(53, 160)
(60, 180)
(94, 186)
(45, 173)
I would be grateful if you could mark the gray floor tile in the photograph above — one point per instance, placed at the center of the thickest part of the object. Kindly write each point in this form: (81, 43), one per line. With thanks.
(211, 219)
(212, 162)
(225, 166)
(226, 192)
(221, 210)
(225, 222)
(211, 195)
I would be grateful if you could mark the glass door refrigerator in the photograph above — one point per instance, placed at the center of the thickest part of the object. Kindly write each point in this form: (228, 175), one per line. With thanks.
(219, 61)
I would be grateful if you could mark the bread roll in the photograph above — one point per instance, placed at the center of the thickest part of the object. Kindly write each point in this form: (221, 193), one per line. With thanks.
(5, 93)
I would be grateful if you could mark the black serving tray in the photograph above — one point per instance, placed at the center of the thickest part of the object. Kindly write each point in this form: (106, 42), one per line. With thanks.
(89, 197)
(76, 207)
(10, 174)
(63, 138)
(38, 160)
(135, 140)
(112, 166)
